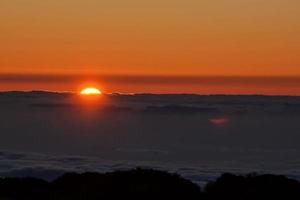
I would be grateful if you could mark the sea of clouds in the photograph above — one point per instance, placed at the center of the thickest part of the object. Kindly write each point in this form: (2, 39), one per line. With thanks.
(46, 134)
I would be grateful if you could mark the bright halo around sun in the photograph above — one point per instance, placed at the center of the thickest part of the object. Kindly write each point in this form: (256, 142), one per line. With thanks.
(90, 91)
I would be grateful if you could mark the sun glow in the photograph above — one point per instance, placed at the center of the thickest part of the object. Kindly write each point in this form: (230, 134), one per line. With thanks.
(90, 91)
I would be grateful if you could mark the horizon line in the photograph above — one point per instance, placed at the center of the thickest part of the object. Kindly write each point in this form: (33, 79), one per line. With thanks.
(145, 93)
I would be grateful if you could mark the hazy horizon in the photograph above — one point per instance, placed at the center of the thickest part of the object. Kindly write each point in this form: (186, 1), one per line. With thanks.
(159, 84)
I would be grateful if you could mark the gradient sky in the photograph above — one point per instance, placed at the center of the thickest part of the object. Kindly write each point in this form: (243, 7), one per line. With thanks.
(159, 38)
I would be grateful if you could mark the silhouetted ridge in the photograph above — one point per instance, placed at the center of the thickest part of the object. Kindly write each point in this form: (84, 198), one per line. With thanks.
(253, 186)
(24, 188)
(135, 183)
(148, 184)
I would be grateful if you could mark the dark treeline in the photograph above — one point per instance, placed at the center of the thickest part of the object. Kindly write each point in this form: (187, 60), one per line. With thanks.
(148, 184)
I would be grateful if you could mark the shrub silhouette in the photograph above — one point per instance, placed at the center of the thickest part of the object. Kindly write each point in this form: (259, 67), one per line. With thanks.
(148, 184)
(253, 186)
(138, 183)
(24, 188)
(135, 184)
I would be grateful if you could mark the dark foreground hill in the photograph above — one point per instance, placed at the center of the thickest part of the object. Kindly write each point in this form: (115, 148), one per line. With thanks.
(147, 184)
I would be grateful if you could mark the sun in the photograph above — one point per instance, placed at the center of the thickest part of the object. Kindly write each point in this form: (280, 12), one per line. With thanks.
(90, 91)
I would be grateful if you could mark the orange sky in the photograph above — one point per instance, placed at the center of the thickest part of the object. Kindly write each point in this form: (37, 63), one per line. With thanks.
(158, 38)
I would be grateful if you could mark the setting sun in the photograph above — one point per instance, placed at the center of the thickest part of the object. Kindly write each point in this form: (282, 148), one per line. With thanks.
(90, 91)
